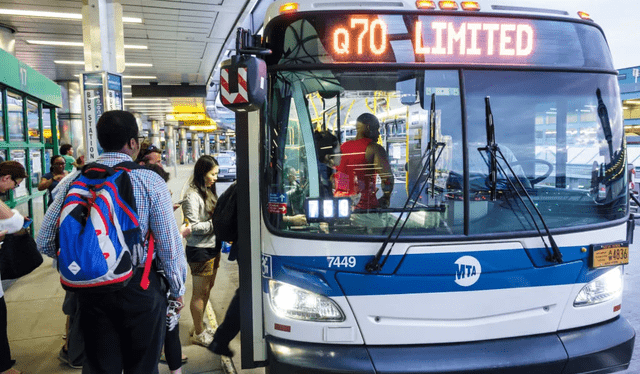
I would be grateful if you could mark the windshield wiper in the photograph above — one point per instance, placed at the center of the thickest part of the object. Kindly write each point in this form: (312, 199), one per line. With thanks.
(603, 114)
(428, 160)
(494, 150)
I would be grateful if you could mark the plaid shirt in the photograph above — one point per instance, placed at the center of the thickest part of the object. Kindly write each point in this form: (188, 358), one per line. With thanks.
(155, 211)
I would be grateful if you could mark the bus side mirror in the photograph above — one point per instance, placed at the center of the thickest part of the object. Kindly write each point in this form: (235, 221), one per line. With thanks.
(243, 83)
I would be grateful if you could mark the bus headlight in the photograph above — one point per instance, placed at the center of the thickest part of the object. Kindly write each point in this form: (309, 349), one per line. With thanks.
(294, 302)
(604, 288)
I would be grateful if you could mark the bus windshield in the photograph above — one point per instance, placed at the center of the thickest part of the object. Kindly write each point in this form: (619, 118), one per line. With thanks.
(560, 131)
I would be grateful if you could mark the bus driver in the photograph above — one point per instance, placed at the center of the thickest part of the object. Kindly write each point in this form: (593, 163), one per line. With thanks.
(361, 160)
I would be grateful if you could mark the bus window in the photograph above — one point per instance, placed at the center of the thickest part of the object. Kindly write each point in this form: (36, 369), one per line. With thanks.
(300, 97)
(553, 140)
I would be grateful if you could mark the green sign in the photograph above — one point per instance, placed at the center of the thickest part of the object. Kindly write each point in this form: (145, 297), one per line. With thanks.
(22, 77)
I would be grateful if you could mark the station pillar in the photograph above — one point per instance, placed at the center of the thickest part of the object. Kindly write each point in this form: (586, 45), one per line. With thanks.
(154, 133)
(8, 40)
(207, 147)
(217, 143)
(183, 155)
(195, 145)
(227, 142)
(70, 127)
(170, 144)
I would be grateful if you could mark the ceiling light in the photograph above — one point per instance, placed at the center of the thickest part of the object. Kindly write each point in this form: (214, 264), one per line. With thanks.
(135, 46)
(37, 13)
(130, 64)
(63, 62)
(138, 64)
(56, 43)
(140, 77)
(149, 99)
(77, 44)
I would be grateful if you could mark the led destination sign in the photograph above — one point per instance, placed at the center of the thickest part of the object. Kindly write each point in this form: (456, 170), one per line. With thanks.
(407, 38)
(369, 37)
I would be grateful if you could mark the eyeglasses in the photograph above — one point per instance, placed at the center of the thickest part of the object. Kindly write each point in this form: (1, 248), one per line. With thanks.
(59, 163)
(17, 182)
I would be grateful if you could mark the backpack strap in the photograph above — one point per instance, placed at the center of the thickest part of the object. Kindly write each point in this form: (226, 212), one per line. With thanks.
(144, 283)
(127, 166)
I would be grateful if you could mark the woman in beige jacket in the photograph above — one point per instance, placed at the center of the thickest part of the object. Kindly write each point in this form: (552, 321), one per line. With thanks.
(202, 254)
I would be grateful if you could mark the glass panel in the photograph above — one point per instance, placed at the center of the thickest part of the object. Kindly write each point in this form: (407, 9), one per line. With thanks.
(48, 153)
(4, 196)
(308, 164)
(46, 125)
(23, 209)
(38, 213)
(569, 160)
(33, 121)
(1, 117)
(36, 169)
(20, 156)
(16, 117)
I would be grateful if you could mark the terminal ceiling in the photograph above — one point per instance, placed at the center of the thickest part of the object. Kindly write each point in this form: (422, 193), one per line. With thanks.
(184, 41)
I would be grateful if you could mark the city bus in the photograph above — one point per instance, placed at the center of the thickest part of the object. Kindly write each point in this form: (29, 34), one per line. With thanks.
(503, 245)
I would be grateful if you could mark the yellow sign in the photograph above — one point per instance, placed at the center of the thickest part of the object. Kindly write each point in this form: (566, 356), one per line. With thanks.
(186, 117)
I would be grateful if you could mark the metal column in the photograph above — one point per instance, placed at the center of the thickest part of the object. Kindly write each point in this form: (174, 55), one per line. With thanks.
(154, 133)
(170, 144)
(217, 143)
(207, 147)
(183, 146)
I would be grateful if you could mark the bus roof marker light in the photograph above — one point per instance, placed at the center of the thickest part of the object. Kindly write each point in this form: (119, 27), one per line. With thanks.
(584, 15)
(288, 8)
(448, 5)
(470, 5)
(425, 4)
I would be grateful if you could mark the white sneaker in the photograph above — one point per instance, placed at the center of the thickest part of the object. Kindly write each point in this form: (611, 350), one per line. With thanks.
(204, 339)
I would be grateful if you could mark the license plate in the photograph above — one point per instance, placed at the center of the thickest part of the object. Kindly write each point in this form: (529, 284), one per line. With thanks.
(609, 254)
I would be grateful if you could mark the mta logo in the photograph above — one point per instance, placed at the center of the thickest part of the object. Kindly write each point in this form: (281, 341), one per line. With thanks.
(468, 271)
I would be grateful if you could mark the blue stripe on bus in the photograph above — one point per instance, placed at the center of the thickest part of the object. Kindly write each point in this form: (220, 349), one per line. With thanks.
(424, 273)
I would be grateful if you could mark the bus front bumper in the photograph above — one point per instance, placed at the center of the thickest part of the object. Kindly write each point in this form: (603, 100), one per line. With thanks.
(602, 348)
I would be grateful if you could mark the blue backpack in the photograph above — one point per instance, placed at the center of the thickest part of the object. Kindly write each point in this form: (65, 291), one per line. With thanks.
(99, 232)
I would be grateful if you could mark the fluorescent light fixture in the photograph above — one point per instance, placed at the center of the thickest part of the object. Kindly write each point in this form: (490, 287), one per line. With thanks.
(126, 86)
(65, 62)
(138, 64)
(149, 99)
(77, 44)
(60, 15)
(56, 43)
(134, 46)
(127, 93)
(140, 77)
(132, 64)
(131, 20)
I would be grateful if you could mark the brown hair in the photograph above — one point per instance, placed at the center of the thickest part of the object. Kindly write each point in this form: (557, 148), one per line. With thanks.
(12, 168)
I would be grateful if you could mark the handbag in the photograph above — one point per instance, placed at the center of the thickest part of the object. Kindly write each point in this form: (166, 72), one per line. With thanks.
(19, 256)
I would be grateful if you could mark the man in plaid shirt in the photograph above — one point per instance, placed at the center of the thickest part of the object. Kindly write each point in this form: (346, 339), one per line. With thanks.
(124, 330)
